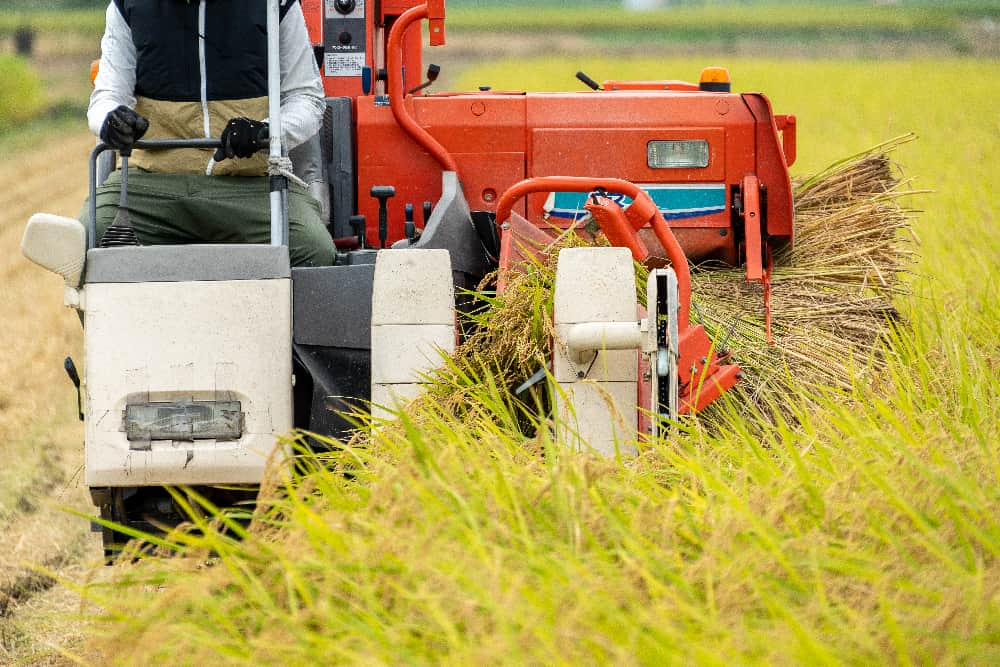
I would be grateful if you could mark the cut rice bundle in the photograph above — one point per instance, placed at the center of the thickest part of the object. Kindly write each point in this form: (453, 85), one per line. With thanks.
(832, 300)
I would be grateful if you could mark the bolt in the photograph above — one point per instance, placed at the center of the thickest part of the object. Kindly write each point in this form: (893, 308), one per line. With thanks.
(580, 375)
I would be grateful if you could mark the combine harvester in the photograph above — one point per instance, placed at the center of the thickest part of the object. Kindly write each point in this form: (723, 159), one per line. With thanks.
(197, 356)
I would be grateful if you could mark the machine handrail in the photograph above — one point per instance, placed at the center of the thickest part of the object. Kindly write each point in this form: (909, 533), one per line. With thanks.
(397, 92)
(142, 144)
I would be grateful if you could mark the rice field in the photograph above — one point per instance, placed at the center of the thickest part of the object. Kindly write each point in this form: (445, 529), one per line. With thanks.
(864, 531)
(701, 21)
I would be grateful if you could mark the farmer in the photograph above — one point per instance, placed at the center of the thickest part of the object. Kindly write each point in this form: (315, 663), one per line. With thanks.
(180, 69)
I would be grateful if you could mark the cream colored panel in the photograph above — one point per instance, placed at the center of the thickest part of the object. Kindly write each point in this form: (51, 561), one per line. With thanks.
(227, 340)
(413, 287)
(413, 320)
(600, 286)
(406, 351)
(596, 393)
(599, 416)
(387, 399)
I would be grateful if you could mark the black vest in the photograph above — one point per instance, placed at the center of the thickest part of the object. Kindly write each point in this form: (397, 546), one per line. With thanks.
(168, 62)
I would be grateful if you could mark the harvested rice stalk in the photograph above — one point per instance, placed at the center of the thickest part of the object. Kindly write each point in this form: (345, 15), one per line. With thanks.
(832, 294)
(510, 341)
(832, 300)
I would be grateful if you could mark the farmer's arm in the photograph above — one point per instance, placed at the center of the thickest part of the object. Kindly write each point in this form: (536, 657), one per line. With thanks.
(302, 100)
(115, 82)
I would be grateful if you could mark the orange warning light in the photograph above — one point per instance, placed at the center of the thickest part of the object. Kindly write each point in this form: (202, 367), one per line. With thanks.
(715, 79)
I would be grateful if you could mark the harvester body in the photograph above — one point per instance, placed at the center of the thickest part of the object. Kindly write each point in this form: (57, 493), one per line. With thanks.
(198, 356)
(499, 139)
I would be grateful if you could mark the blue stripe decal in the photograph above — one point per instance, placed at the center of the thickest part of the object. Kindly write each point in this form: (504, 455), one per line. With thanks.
(675, 201)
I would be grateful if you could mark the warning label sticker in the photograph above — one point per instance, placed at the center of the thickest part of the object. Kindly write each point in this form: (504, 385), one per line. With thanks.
(343, 64)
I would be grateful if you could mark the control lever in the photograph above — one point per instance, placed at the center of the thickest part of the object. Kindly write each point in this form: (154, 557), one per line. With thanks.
(357, 223)
(428, 209)
(74, 377)
(366, 79)
(121, 232)
(409, 228)
(432, 75)
(588, 81)
(383, 193)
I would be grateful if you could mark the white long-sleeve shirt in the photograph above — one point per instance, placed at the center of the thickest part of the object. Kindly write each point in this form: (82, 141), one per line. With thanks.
(302, 97)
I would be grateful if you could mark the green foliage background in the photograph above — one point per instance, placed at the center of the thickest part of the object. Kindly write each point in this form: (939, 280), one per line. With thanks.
(21, 98)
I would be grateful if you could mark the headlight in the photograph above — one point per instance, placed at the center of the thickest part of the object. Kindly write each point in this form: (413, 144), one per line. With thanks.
(184, 420)
(677, 154)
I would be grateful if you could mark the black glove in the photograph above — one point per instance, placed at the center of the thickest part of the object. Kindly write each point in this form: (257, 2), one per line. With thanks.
(123, 127)
(242, 138)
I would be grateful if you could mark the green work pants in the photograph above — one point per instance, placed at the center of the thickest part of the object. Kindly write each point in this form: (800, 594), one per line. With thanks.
(171, 209)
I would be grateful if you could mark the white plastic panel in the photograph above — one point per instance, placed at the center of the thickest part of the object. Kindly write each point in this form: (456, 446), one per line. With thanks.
(413, 321)
(225, 340)
(413, 287)
(599, 416)
(407, 351)
(596, 396)
(389, 398)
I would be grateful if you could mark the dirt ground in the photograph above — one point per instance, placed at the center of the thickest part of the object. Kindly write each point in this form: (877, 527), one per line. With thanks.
(41, 440)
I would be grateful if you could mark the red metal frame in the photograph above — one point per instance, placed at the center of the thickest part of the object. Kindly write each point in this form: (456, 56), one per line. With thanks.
(434, 12)
(753, 244)
(702, 373)
(620, 227)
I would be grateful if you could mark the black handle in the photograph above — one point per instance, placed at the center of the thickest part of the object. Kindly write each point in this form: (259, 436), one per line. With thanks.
(588, 81)
(74, 377)
(383, 193)
(357, 223)
(409, 228)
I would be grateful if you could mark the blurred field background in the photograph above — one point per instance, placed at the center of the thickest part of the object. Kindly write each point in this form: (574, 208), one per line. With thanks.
(870, 535)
